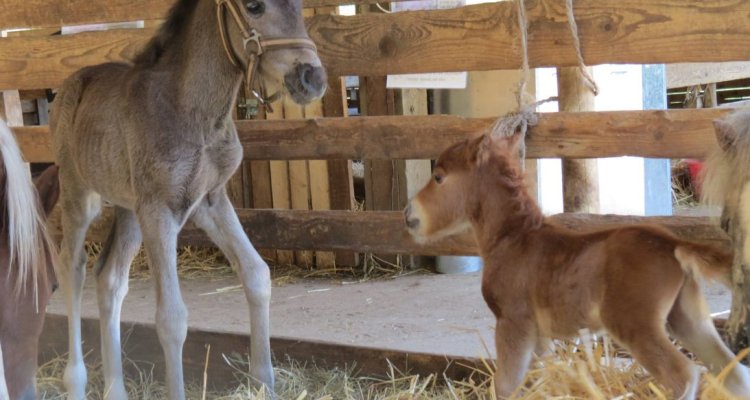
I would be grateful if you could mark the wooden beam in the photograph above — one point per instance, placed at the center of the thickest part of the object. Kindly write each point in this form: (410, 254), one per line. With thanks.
(340, 179)
(280, 189)
(472, 38)
(653, 133)
(691, 74)
(384, 231)
(55, 13)
(663, 134)
(580, 176)
(142, 346)
(299, 182)
(11, 109)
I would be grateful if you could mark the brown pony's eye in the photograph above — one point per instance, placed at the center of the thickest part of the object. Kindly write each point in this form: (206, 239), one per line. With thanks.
(255, 7)
(438, 179)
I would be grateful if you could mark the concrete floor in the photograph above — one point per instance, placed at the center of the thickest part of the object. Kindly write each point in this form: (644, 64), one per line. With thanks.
(439, 314)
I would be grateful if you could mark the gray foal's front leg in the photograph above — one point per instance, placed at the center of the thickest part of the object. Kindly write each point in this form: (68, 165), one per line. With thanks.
(159, 227)
(216, 216)
(112, 269)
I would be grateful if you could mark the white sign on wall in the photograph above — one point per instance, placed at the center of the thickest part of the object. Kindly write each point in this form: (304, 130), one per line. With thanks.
(443, 80)
(69, 30)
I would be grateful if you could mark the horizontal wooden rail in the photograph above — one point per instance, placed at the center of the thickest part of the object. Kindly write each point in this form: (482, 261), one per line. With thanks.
(480, 37)
(141, 345)
(664, 134)
(385, 232)
(56, 13)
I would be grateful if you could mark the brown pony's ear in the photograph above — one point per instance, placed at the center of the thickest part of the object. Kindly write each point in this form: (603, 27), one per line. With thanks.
(477, 147)
(48, 188)
(725, 134)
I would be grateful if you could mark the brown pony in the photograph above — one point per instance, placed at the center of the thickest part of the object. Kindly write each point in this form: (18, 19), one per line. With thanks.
(26, 275)
(543, 281)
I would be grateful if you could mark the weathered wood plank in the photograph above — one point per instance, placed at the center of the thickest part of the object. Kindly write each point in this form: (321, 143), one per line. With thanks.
(51, 13)
(654, 133)
(384, 231)
(691, 74)
(55, 13)
(480, 37)
(664, 134)
(142, 346)
(580, 176)
(485, 37)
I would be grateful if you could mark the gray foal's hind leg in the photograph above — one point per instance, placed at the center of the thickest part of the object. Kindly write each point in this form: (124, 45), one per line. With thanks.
(216, 216)
(79, 208)
(112, 269)
(159, 227)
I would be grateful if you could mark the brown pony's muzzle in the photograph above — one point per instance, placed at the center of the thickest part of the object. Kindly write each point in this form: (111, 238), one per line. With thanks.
(306, 83)
(411, 221)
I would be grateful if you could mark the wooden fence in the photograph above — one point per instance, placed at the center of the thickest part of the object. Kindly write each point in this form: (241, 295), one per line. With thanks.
(481, 37)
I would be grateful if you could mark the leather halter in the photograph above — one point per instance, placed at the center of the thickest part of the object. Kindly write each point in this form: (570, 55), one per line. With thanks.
(254, 44)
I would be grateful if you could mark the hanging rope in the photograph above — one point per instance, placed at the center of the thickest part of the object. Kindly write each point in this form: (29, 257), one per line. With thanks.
(526, 116)
(587, 78)
(522, 97)
(519, 122)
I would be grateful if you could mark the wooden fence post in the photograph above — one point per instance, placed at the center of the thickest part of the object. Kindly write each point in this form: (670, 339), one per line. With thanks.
(580, 177)
(341, 181)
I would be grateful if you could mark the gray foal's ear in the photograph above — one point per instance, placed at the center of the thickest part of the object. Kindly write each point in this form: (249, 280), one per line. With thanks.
(725, 134)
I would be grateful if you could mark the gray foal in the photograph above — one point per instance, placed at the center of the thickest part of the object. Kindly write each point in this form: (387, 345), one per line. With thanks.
(156, 139)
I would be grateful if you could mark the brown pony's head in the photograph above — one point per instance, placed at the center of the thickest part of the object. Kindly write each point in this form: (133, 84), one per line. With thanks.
(451, 200)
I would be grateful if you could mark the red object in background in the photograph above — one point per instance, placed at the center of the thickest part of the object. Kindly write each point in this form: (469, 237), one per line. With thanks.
(695, 167)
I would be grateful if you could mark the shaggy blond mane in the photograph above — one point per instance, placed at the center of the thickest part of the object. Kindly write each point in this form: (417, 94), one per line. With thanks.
(726, 171)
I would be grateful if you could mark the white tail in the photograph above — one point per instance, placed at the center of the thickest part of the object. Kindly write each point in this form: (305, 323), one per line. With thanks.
(25, 224)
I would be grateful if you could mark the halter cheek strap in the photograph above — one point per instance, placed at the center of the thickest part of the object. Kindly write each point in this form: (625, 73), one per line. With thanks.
(254, 44)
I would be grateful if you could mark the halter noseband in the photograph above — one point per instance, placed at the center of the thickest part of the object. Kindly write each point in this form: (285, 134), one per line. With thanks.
(254, 44)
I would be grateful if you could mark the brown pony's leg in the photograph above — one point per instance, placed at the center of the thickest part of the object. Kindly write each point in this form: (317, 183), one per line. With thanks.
(691, 324)
(643, 333)
(3, 386)
(20, 353)
(515, 343)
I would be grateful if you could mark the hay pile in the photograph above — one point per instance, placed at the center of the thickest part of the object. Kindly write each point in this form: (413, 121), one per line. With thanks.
(210, 263)
(582, 370)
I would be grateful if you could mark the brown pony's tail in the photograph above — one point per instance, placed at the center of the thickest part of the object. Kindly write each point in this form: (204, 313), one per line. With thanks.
(706, 260)
(25, 227)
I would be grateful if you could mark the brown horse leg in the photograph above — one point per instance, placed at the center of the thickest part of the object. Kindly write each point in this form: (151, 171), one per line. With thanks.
(691, 324)
(20, 353)
(649, 344)
(3, 386)
(515, 343)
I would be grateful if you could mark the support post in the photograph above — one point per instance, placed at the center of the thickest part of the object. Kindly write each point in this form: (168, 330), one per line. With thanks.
(580, 177)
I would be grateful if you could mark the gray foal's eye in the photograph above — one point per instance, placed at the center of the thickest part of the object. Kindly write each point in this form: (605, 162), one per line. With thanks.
(255, 7)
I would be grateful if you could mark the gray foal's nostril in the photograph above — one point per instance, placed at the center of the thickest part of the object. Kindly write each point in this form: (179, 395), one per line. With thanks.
(312, 78)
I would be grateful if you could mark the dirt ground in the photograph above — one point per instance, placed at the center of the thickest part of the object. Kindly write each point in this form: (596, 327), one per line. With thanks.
(439, 314)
